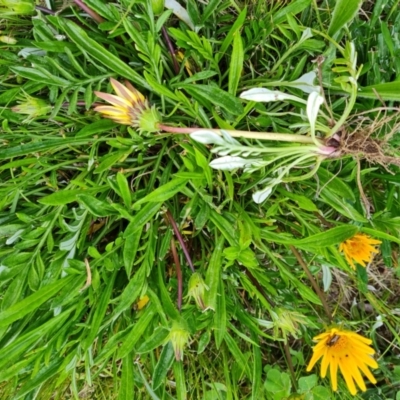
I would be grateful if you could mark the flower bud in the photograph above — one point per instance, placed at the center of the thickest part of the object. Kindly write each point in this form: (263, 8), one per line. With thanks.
(197, 287)
(7, 40)
(32, 107)
(286, 322)
(179, 337)
(16, 7)
(157, 6)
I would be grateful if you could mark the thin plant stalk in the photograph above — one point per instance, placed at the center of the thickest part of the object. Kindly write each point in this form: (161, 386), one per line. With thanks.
(178, 273)
(180, 240)
(88, 10)
(313, 282)
(290, 365)
(283, 137)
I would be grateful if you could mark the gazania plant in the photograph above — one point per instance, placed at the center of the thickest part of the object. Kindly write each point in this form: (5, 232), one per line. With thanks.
(199, 199)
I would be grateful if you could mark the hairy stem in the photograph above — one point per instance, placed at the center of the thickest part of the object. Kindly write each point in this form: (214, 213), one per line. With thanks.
(283, 137)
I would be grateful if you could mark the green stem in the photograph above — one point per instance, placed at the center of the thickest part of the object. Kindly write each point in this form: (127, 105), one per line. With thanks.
(283, 137)
(347, 111)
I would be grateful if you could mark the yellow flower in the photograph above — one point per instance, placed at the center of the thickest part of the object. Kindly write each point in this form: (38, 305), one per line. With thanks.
(142, 302)
(359, 248)
(350, 352)
(129, 107)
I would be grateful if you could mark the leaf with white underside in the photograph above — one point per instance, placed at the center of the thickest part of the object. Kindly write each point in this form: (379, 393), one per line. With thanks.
(307, 34)
(228, 163)
(261, 195)
(305, 83)
(266, 95)
(207, 137)
(180, 12)
(313, 104)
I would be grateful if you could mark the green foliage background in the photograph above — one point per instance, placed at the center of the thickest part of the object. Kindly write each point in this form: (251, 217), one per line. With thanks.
(76, 187)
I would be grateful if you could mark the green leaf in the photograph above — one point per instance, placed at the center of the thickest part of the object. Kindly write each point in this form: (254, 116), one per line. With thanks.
(158, 338)
(380, 235)
(131, 246)
(180, 380)
(278, 383)
(328, 238)
(293, 7)
(141, 218)
(131, 291)
(124, 189)
(136, 333)
(164, 192)
(32, 302)
(336, 185)
(215, 96)
(342, 206)
(98, 313)
(163, 365)
(104, 125)
(213, 274)
(37, 147)
(224, 226)
(220, 317)
(237, 354)
(101, 54)
(229, 37)
(306, 383)
(236, 64)
(389, 91)
(127, 379)
(96, 207)
(61, 197)
(344, 12)
(15, 349)
(39, 74)
(44, 374)
(321, 393)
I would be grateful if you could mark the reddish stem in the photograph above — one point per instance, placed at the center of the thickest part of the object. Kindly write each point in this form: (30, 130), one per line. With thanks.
(88, 10)
(180, 240)
(171, 49)
(178, 272)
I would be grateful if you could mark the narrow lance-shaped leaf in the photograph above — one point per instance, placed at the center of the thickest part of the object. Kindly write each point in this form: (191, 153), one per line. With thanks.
(344, 12)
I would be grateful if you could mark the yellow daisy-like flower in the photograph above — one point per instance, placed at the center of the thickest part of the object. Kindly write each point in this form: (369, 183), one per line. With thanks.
(350, 352)
(128, 107)
(359, 248)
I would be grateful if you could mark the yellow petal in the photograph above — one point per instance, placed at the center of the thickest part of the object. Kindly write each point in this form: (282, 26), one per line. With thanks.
(347, 376)
(125, 93)
(327, 358)
(353, 366)
(333, 372)
(316, 356)
(114, 100)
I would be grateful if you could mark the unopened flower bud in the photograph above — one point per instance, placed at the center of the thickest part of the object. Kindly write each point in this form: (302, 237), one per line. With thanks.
(179, 337)
(8, 40)
(32, 107)
(16, 7)
(157, 6)
(197, 288)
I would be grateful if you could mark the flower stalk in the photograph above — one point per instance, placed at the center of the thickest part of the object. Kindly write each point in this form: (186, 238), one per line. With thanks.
(273, 136)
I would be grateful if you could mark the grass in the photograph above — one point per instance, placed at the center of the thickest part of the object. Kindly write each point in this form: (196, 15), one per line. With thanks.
(100, 222)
